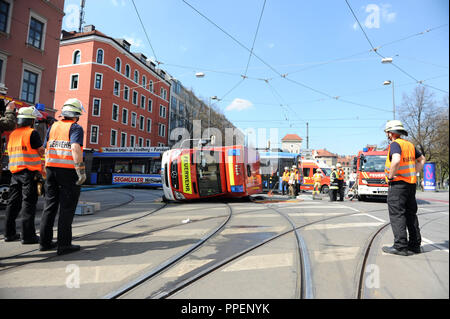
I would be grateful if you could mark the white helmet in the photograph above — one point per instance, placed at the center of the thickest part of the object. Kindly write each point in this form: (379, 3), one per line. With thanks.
(28, 113)
(286, 167)
(338, 165)
(72, 108)
(395, 126)
(333, 167)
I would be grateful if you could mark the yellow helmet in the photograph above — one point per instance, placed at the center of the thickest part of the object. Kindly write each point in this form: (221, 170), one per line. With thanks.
(395, 126)
(72, 108)
(28, 113)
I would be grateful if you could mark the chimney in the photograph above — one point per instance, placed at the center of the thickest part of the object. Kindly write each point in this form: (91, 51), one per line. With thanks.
(88, 28)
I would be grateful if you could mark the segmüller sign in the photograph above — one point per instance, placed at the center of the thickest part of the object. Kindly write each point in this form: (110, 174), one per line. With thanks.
(132, 149)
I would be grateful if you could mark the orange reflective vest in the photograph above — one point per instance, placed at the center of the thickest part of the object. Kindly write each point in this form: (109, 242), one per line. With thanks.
(341, 174)
(317, 178)
(407, 170)
(21, 155)
(58, 152)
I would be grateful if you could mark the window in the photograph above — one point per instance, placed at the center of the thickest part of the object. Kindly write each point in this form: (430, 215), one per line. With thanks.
(74, 82)
(115, 112)
(147, 143)
(133, 119)
(132, 140)
(150, 103)
(100, 56)
(136, 76)
(162, 111)
(29, 86)
(76, 57)
(96, 107)
(4, 13)
(1, 70)
(135, 98)
(144, 82)
(160, 144)
(113, 137)
(142, 102)
(149, 125)
(125, 116)
(141, 142)
(141, 123)
(123, 139)
(98, 81)
(126, 93)
(36, 33)
(127, 71)
(174, 103)
(94, 134)
(116, 88)
(150, 86)
(118, 65)
(161, 129)
(164, 93)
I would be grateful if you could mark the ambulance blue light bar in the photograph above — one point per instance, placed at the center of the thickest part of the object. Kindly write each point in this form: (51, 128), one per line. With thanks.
(237, 189)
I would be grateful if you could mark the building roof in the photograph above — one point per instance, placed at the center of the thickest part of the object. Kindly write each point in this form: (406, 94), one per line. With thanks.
(292, 137)
(325, 153)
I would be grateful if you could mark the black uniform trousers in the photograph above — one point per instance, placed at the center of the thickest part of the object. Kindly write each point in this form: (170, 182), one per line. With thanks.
(22, 199)
(285, 186)
(341, 189)
(333, 193)
(403, 215)
(61, 193)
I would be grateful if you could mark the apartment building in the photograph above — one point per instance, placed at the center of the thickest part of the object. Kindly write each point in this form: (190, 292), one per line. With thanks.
(125, 95)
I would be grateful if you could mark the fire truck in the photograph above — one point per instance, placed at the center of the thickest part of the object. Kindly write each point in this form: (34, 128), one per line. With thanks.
(369, 166)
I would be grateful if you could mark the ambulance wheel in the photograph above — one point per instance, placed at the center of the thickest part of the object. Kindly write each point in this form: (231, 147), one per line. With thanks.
(325, 189)
(4, 194)
(361, 197)
(164, 199)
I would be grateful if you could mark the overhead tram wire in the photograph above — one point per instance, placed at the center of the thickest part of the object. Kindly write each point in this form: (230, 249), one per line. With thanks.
(378, 53)
(254, 39)
(145, 31)
(268, 65)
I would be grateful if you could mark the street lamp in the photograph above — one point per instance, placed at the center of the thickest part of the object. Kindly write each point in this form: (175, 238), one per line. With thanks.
(393, 99)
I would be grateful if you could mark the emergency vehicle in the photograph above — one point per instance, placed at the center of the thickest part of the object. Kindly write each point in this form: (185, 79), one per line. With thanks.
(309, 169)
(369, 166)
(205, 172)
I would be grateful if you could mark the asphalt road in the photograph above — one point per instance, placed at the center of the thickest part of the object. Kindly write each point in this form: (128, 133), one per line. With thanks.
(135, 246)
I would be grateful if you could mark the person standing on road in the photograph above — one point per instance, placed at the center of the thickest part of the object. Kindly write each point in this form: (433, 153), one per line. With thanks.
(352, 179)
(402, 163)
(334, 187)
(65, 173)
(25, 151)
(317, 178)
(340, 181)
(285, 180)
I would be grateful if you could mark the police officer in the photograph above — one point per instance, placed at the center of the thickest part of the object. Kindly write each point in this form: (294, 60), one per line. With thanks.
(333, 184)
(65, 173)
(25, 151)
(402, 163)
(285, 180)
(340, 181)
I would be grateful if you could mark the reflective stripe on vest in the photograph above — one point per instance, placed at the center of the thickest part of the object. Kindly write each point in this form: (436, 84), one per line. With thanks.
(317, 178)
(407, 169)
(58, 152)
(21, 155)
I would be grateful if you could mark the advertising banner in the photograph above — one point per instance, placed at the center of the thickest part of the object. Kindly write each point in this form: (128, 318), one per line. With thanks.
(145, 180)
(429, 177)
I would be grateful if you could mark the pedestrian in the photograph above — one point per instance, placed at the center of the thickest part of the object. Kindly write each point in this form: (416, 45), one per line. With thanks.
(285, 180)
(292, 182)
(340, 181)
(317, 178)
(298, 181)
(402, 163)
(65, 173)
(352, 179)
(25, 151)
(7, 118)
(334, 187)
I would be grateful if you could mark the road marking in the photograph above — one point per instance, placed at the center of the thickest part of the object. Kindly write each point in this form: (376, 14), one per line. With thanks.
(371, 216)
(429, 242)
(342, 225)
(315, 214)
(432, 211)
(256, 229)
(185, 267)
(321, 206)
(262, 262)
(336, 254)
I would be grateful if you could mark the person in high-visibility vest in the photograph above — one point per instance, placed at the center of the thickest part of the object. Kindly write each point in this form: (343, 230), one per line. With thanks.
(402, 164)
(65, 173)
(285, 180)
(24, 152)
(340, 181)
(334, 187)
(317, 178)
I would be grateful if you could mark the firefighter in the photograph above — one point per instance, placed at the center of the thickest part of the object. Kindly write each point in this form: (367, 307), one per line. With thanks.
(317, 178)
(292, 181)
(402, 163)
(25, 151)
(340, 180)
(285, 180)
(333, 184)
(65, 173)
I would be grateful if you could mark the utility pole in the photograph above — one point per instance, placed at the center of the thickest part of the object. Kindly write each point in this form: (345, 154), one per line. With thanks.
(82, 3)
(307, 135)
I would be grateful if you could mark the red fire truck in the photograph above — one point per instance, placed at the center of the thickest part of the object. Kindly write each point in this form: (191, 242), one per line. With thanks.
(371, 181)
(203, 172)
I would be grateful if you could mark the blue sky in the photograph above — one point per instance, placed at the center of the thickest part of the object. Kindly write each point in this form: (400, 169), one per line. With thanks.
(316, 45)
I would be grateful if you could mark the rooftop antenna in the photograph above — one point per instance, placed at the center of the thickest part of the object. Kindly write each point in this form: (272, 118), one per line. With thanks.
(82, 3)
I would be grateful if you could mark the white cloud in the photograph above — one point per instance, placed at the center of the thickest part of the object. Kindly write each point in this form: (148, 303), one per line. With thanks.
(387, 16)
(116, 3)
(239, 105)
(135, 42)
(376, 14)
